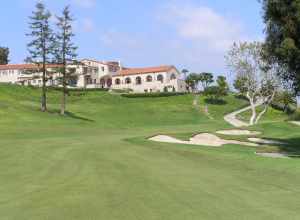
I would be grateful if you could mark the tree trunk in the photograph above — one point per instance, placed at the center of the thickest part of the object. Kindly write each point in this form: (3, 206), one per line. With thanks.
(253, 109)
(267, 103)
(44, 96)
(261, 114)
(63, 101)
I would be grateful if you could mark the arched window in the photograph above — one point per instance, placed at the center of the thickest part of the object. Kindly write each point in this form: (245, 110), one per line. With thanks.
(102, 83)
(109, 82)
(149, 78)
(173, 76)
(138, 80)
(117, 81)
(128, 80)
(160, 78)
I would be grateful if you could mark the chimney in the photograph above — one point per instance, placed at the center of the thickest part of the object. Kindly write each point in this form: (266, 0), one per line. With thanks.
(120, 65)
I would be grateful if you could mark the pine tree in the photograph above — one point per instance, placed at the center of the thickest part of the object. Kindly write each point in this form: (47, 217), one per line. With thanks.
(65, 51)
(4, 52)
(42, 45)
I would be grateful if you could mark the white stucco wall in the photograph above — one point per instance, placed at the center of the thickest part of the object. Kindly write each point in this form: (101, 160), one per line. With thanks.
(9, 76)
(154, 86)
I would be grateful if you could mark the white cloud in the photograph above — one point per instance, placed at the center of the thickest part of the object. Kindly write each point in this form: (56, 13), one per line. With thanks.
(87, 25)
(203, 25)
(85, 3)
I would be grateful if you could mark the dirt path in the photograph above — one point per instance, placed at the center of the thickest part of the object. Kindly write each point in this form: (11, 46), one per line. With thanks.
(231, 118)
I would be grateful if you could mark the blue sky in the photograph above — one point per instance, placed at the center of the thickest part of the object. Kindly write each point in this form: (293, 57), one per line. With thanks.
(192, 34)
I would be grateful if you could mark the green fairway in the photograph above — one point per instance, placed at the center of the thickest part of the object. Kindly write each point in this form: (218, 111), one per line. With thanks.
(96, 162)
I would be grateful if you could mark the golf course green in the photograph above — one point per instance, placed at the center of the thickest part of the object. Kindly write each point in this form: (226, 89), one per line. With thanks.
(97, 162)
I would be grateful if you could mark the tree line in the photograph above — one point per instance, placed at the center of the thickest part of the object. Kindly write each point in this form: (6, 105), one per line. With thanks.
(205, 80)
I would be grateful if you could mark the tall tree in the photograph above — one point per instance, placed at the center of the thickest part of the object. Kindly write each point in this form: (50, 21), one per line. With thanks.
(65, 51)
(4, 53)
(205, 79)
(192, 81)
(42, 45)
(223, 85)
(257, 80)
(185, 72)
(282, 19)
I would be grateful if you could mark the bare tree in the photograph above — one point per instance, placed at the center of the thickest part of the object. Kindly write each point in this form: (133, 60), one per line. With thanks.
(260, 82)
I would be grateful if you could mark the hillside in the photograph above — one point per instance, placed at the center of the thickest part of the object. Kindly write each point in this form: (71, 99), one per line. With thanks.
(96, 162)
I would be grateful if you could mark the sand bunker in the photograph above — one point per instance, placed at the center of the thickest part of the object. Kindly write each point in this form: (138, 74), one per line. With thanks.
(265, 141)
(204, 139)
(273, 155)
(238, 132)
(296, 122)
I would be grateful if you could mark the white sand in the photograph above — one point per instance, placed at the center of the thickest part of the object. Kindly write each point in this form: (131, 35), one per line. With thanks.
(204, 139)
(238, 132)
(273, 155)
(265, 141)
(296, 122)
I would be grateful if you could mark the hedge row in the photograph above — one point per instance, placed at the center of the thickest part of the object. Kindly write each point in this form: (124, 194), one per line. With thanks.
(80, 89)
(152, 95)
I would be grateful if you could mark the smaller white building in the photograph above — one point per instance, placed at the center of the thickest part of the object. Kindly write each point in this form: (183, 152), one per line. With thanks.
(151, 79)
(26, 74)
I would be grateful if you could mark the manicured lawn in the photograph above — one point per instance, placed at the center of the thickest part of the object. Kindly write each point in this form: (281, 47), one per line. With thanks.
(96, 163)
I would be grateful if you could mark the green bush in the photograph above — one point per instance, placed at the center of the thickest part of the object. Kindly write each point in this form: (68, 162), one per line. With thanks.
(122, 90)
(152, 95)
(80, 89)
(295, 116)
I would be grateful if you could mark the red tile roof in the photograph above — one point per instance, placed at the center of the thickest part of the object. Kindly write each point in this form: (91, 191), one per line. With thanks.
(135, 71)
(25, 66)
(109, 63)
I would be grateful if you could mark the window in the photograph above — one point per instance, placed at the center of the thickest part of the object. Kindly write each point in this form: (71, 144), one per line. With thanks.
(95, 81)
(173, 76)
(138, 80)
(102, 68)
(109, 82)
(149, 78)
(117, 81)
(128, 80)
(160, 78)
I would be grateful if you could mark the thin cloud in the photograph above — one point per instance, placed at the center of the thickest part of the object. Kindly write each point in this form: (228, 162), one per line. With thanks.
(85, 3)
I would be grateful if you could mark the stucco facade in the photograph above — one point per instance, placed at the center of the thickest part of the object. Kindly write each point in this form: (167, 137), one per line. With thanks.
(152, 79)
(99, 74)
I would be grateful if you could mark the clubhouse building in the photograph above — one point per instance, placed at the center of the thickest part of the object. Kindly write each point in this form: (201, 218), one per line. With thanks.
(89, 73)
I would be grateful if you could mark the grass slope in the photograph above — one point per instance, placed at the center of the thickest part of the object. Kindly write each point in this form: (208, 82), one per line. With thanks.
(97, 164)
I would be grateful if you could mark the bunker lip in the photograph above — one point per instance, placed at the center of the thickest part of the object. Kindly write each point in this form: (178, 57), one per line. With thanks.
(238, 132)
(203, 139)
(273, 155)
(265, 141)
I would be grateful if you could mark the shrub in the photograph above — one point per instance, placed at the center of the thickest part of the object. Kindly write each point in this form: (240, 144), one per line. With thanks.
(80, 89)
(295, 116)
(152, 95)
(122, 90)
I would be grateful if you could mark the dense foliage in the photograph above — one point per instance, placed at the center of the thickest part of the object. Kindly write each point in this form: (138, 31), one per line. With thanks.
(4, 53)
(282, 19)
(152, 95)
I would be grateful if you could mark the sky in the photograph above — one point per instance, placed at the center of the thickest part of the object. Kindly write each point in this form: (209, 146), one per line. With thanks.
(190, 34)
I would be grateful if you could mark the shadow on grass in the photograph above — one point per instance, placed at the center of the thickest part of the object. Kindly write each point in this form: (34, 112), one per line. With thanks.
(215, 101)
(71, 115)
(292, 146)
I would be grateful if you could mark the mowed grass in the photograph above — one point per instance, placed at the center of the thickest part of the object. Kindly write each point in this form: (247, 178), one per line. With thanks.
(96, 163)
